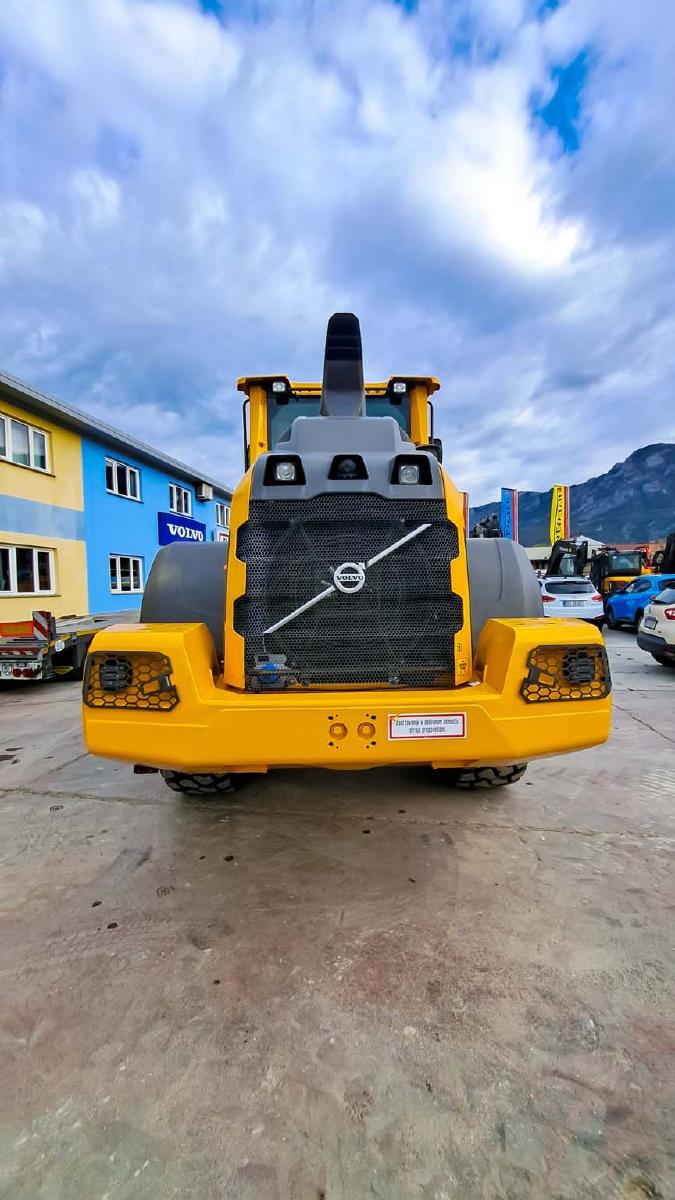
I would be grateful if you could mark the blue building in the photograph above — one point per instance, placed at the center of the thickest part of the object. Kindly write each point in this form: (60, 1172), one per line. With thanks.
(84, 508)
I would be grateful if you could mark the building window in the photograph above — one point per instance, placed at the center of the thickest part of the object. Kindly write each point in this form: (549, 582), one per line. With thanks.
(223, 515)
(22, 444)
(122, 480)
(26, 571)
(180, 500)
(126, 573)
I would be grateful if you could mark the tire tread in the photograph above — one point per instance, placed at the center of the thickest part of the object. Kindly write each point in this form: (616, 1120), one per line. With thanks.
(198, 785)
(474, 778)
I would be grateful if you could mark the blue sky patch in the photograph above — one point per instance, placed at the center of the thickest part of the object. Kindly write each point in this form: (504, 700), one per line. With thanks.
(547, 6)
(115, 152)
(563, 111)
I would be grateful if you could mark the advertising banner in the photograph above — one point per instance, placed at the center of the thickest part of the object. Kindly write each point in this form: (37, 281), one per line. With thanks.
(508, 514)
(172, 528)
(560, 513)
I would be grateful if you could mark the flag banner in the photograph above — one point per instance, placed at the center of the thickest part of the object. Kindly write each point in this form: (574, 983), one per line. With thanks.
(508, 514)
(560, 513)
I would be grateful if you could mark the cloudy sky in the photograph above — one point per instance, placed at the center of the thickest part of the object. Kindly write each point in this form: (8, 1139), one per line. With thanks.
(188, 190)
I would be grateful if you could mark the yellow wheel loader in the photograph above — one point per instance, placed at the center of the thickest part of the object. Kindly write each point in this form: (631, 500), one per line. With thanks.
(612, 569)
(349, 623)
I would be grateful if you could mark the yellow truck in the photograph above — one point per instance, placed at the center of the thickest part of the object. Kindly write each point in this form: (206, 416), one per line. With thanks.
(349, 623)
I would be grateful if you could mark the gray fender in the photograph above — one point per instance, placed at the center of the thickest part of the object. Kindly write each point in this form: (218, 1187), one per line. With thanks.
(188, 583)
(501, 582)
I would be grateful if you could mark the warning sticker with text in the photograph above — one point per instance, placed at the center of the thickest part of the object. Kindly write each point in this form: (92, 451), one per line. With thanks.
(427, 725)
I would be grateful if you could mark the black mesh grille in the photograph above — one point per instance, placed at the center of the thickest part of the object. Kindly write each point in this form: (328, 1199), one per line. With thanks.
(398, 629)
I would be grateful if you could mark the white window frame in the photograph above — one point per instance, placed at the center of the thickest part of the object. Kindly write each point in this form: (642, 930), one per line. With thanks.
(118, 590)
(14, 574)
(7, 421)
(180, 500)
(134, 472)
(222, 509)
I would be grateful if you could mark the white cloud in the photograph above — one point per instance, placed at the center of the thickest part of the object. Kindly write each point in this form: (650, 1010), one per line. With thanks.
(23, 227)
(184, 200)
(97, 196)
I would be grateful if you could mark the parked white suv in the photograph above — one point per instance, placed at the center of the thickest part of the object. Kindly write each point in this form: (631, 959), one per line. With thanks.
(656, 631)
(571, 596)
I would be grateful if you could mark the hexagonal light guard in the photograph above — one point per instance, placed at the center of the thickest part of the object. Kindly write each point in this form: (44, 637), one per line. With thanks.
(146, 680)
(566, 673)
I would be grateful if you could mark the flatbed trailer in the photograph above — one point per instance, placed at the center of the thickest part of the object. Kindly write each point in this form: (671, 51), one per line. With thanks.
(46, 646)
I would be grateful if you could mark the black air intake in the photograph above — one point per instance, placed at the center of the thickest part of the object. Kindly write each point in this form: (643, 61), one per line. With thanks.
(343, 393)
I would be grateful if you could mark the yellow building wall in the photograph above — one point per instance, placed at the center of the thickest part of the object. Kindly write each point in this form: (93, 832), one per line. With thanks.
(62, 484)
(60, 487)
(70, 570)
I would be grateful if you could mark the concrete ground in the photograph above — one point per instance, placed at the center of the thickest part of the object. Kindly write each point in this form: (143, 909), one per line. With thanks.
(339, 986)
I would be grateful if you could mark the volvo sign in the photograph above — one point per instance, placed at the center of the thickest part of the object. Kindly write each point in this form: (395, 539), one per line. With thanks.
(173, 528)
(350, 577)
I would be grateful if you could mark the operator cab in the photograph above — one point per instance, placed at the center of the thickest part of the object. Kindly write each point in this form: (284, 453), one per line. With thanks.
(629, 562)
(612, 568)
(273, 403)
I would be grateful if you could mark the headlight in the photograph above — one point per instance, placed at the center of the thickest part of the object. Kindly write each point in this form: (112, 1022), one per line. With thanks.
(399, 386)
(283, 469)
(278, 386)
(115, 673)
(409, 473)
(579, 667)
(285, 472)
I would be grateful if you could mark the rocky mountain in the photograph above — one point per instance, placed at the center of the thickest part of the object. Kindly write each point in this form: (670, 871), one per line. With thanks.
(633, 502)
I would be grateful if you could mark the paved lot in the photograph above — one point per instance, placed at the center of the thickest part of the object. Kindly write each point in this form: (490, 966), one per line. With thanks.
(339, 986)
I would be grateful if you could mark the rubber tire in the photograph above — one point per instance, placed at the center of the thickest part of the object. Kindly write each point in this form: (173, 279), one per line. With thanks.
(474, 778)
(664, 660)
(638, 617)
(501, 583)
(188, 582)
(611, 623)
(212, 785)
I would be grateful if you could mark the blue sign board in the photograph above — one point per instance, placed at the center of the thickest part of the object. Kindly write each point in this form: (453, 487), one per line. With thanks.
(174, 528)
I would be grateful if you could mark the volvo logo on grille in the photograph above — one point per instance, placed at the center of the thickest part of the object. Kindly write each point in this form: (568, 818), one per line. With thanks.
(350, 576)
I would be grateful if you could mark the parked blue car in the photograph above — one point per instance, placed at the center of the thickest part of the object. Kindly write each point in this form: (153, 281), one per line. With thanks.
(628, 606)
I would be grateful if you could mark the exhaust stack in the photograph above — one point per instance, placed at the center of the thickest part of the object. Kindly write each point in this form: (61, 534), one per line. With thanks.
(342, 392)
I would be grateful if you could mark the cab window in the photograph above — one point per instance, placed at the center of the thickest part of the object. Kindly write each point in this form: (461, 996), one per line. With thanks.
(282, 411)
(281, 414)
(631, 560)
(397, 407)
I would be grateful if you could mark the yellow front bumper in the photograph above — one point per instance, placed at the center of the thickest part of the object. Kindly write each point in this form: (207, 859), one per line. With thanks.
(214, 728)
